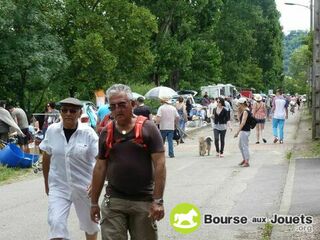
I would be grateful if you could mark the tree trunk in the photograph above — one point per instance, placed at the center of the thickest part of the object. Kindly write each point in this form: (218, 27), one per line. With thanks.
(175, 78)
(156, 79)
(72, 91)
(21, 88)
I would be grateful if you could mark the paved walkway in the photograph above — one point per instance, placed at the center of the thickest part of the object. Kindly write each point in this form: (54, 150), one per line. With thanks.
(302, 190)
(215, 185)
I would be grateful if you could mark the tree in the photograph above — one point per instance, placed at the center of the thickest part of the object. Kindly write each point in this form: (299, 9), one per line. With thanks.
(184, 42)
(297, 81)
(106, 41)
(235, 37)
(31, 55)
(291, 42)
(269, 44)
(249, 35)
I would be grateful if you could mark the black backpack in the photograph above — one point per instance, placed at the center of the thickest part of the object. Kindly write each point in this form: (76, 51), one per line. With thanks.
(252, 120)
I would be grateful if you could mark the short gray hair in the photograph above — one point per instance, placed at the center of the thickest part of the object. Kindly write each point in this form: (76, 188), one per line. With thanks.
(118, 88)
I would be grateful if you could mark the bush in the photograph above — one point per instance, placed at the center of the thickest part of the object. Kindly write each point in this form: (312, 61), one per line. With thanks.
(153, 104)
(141, 88)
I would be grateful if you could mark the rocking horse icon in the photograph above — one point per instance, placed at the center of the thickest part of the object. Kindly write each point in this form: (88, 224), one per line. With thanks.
(179, 218)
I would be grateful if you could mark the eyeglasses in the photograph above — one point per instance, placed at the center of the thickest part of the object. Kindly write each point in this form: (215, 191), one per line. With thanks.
(70, 110)
(121, 105)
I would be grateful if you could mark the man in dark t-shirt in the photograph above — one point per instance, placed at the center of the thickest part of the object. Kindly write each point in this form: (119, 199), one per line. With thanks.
(136, 174)
(142, 109)
(137, 181)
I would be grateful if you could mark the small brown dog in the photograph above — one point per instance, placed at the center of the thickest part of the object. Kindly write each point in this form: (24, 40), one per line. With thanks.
(205, 145)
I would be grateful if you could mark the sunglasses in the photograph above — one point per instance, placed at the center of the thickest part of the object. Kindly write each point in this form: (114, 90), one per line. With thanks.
(70, 110)
(121, 105)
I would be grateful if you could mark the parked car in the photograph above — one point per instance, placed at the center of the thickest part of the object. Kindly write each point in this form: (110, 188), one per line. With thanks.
(89, 113)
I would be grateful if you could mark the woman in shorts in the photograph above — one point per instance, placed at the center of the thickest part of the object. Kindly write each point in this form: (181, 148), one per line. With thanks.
(259, 112)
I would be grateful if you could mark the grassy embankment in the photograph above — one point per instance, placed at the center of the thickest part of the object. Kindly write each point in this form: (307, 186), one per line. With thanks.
(10, 174)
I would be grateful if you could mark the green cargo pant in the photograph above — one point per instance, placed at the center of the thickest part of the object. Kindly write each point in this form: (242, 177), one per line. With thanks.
(120, 216)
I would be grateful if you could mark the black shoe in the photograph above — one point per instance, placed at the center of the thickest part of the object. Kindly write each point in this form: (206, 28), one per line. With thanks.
(181, 141)
(264, 140)
(257, 142)
(172, 156)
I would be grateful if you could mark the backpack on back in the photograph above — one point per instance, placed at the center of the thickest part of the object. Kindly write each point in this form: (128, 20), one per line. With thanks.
(138, 138)
(252, 120)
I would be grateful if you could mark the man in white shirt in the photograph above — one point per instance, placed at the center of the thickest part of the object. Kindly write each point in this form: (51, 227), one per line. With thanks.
(167, 118)
(69, 155)
(280, 113)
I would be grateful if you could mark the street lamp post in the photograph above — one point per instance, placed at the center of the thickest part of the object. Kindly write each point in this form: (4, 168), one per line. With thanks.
(310, 7)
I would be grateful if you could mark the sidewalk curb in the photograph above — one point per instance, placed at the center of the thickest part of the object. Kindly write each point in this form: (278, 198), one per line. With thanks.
(194, 129)
(278, 230)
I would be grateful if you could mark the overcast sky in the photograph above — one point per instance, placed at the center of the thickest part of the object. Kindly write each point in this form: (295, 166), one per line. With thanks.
(294, 17)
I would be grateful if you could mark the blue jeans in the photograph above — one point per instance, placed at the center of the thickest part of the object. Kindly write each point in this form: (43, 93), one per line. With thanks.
(182, 126)
(169, 134)
(277, 123)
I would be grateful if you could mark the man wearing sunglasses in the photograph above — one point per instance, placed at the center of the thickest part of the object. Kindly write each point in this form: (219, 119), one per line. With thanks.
(136, 174)
(69, 155)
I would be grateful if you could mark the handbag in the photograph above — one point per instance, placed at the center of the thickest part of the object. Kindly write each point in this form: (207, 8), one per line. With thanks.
(176, 134)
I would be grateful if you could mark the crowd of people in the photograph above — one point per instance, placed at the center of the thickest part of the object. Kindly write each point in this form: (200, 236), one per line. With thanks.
(257, 109)
(78, 161)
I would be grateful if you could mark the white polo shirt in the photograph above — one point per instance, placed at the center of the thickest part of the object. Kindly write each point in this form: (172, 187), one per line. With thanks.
(72, 163)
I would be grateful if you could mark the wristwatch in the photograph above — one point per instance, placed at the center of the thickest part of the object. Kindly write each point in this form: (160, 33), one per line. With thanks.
(158, 201)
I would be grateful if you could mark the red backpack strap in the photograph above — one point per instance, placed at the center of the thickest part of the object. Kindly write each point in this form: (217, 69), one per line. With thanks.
(109, 138)
(103, 123)
(137, 133)
(138, 130)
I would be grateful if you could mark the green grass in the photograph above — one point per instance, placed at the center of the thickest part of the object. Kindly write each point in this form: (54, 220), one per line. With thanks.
(312, 150)
(288, 155)
(267, 230)
(315, 148)
(7, 174)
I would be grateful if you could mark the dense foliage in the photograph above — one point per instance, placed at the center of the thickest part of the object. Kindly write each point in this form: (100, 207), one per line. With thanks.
(53, 49)
(299, 74)
(250, 37)
(31, 56)
(291, 42)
